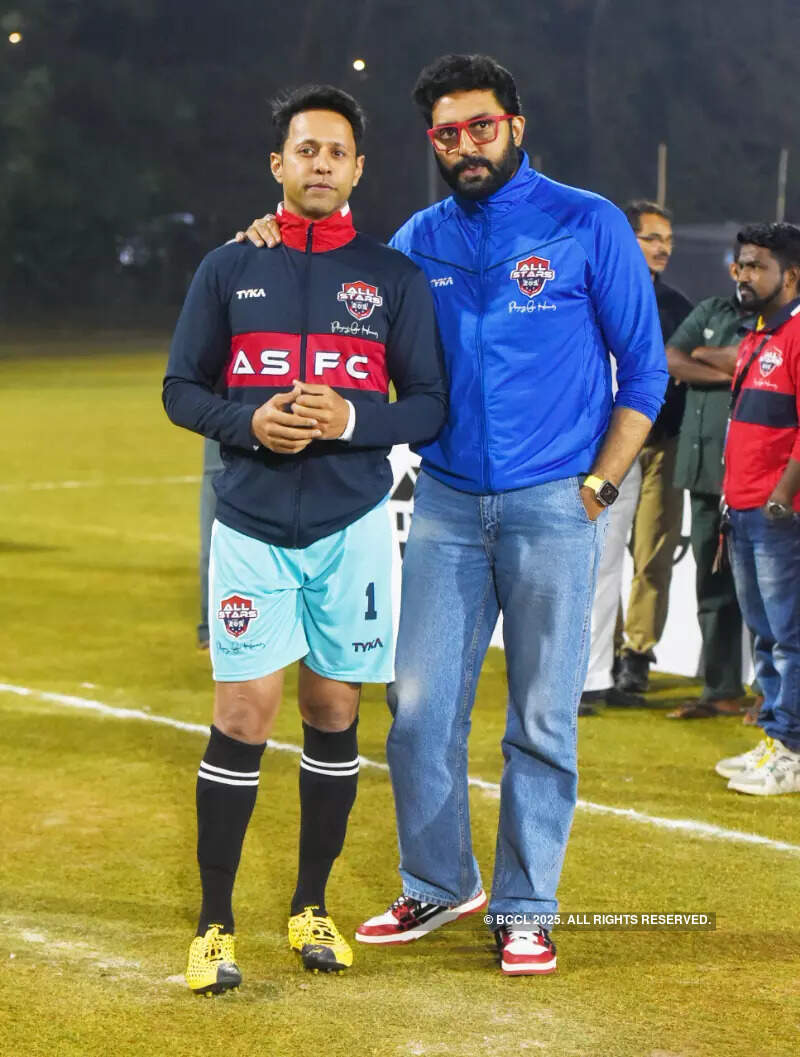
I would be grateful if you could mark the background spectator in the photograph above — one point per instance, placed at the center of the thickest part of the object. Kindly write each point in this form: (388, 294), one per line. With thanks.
(657, 523)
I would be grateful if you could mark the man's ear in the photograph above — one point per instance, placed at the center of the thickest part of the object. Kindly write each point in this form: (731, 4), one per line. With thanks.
(733, 270)
(792, 278)
(276, 166)
(359, 169)
(517, 129)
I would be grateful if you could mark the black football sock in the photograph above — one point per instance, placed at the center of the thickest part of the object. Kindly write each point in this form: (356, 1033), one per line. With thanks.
(227, 783)
(328, 781)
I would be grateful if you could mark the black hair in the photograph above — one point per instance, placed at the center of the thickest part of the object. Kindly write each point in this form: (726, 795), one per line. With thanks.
(465, 73)
(639, 207)
(782, 240)
(316, 97)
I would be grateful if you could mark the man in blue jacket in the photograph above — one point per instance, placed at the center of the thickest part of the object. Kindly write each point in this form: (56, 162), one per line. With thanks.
(534, 283)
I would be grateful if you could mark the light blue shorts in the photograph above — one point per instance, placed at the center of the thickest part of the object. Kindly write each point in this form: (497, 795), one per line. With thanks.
(329, 604)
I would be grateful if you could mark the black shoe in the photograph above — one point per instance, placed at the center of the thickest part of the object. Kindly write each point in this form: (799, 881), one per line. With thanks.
(616, 666)
(588, 700)
(634, 671)
(616, 698)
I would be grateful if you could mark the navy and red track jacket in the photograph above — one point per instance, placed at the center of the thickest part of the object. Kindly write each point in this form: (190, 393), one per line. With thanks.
(764, 431)
(328, 306)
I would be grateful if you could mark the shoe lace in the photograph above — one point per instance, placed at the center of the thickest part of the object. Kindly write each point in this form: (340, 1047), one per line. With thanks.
(768, 752)
(319, 929)
(539, 935)
(405, 908)
(323, 930)
(215, 943)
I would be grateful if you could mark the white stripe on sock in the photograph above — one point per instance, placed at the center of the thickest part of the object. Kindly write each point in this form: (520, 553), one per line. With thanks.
(224, 781)
(322, 770)
(233, 774)
(328, 763)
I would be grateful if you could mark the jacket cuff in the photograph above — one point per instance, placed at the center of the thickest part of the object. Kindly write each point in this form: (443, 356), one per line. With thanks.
(351, 423)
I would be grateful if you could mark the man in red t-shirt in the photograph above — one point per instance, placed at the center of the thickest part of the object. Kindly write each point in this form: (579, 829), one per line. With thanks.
(762, 491)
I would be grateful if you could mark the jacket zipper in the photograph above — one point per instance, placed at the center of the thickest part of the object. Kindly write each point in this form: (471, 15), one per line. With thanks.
(485, 481)
(304, 299)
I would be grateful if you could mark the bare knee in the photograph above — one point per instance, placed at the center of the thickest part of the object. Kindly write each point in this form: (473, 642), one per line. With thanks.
(247, 710)
(327, 704)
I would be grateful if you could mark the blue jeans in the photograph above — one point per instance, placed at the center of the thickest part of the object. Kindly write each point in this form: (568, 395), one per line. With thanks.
(765, 556)
(533, 554)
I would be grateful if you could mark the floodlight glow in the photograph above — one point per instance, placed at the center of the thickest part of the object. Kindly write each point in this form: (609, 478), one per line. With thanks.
(14, 38)
(359, 65)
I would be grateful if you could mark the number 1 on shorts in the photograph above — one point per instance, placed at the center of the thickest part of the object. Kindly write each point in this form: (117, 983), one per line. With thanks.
(372, 612)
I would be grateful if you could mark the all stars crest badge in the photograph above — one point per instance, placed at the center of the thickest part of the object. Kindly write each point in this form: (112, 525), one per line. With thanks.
(769, 359)
(236, 612)
(531, 275)
(360, 298)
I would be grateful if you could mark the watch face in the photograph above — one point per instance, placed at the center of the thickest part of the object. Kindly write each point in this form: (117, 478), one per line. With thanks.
(778, 510)
(607, 494)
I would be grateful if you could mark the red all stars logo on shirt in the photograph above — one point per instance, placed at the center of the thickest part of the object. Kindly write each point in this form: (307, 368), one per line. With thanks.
(531, 275)
(769, 359)
(236, 612)
(360, 298)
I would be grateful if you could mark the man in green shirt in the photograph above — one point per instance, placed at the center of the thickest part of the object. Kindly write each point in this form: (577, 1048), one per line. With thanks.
(715, 323)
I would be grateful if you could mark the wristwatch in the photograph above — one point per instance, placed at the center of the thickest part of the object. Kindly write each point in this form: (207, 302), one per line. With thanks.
(604, 491)
(776, 511)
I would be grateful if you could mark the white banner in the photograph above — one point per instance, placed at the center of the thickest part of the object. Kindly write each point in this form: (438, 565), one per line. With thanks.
(680, 647)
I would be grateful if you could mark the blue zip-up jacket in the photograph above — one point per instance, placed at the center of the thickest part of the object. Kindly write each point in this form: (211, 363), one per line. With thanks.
(534, 286)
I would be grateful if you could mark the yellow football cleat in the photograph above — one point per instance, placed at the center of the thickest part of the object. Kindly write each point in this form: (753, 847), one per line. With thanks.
(212, 966)
(318, 942)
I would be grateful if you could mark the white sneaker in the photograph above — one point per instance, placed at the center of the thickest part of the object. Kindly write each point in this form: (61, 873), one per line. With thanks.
(733, 765)
(778, 771)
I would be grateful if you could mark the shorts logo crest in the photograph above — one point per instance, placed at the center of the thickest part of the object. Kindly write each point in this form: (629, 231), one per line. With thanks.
(770, 359)
(236, 613)
(531, 275)
(361, 298)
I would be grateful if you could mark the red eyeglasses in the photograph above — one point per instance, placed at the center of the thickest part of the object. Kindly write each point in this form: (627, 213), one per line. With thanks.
(480, 130)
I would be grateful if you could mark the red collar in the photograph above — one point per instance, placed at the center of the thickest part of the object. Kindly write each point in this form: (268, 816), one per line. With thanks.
(328, 234)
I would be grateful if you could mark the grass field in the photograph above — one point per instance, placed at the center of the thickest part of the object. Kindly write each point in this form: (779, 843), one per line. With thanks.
(98, 886)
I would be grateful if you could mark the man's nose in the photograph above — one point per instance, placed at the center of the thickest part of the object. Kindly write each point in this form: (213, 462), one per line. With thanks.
(466, 144)
(322, 163)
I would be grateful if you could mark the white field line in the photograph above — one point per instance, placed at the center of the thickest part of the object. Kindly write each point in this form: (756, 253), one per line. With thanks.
(141, 482)
(74, 950)
(72, 530)
(692, 827)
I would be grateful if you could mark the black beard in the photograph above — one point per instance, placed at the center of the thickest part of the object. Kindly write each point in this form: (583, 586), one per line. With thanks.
(758, 304)
(499, 174)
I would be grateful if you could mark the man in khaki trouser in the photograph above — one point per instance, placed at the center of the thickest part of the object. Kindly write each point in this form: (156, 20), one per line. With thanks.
(657, 524)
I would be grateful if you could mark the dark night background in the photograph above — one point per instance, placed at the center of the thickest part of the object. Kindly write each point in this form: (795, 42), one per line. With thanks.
(115, 115)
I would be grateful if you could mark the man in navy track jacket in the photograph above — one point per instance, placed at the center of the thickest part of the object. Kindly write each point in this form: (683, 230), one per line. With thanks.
(535, 283)
(306, 340)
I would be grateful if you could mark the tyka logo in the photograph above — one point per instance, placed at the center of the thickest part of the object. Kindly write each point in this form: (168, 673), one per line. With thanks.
(769, 359)
(243, 295)
(445, 280)
(531, 275)
(361, 298)
(367, 647)
(236, 612)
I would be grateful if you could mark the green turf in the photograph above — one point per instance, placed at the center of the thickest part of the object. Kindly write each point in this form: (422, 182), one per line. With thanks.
(98, 888)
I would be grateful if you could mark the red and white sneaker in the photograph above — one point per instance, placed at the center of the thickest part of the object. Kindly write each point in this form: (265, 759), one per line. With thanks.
(525, 952)
(411, 919)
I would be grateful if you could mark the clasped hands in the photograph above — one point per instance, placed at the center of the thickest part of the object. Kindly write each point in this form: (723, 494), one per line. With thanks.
(288, 422)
